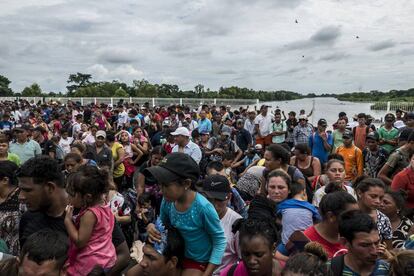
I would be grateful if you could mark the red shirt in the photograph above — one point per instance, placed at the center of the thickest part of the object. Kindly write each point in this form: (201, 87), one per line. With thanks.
(333, 249)
(404, 180)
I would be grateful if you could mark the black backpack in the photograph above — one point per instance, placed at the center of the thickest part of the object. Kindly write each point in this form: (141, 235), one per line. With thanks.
(337, 265)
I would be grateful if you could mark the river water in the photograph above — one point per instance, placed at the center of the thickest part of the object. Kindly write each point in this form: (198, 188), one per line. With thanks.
(327, 108)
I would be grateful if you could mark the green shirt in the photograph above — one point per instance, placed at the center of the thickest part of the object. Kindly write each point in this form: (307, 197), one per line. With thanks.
(338, 140)
(13, 158)
(388, 135)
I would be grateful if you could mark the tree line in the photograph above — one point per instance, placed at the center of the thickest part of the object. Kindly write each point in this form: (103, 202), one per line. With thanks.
(83, 85)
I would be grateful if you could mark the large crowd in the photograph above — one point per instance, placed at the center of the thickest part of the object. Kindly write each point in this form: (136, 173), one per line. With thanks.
(134, 189)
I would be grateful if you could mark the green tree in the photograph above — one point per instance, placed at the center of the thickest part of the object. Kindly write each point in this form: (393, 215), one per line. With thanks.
(33, 90)
(121, 93)
(78, 80)
(4, 87)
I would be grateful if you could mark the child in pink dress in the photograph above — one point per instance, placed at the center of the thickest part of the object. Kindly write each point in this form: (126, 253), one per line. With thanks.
(90, 233)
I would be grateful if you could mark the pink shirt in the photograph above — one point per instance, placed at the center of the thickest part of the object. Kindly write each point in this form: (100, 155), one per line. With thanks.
(241, 270)
(99, 250)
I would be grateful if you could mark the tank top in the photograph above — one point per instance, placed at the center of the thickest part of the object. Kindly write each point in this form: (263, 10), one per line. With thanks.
(307, 172)
(99, 250)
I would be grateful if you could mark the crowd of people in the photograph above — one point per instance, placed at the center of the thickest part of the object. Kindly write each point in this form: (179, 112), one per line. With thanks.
(133, 189)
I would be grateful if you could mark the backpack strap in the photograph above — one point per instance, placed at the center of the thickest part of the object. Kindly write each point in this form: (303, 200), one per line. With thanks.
(337, 265)
(232, 269)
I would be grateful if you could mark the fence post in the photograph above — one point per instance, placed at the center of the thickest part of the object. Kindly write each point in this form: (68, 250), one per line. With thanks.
(215, 101)
(94, 100)
(81, 101)
(130, 99)
(112, 101)
(153, 102)
(181, 101)
(388, 107)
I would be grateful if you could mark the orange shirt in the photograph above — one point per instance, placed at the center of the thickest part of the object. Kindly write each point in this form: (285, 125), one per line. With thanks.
(354, 161)
(360, 136)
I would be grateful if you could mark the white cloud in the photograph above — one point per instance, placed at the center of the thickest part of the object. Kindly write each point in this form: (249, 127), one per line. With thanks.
(256, 44)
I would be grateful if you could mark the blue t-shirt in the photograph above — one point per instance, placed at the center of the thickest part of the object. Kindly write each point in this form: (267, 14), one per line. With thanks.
(6, 125)
(204, 126)
(200, 227)
(318, 150)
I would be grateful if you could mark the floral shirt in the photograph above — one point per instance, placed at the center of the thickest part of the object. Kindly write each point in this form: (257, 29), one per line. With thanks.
(10, 213)
(400, 235)
(384, 226)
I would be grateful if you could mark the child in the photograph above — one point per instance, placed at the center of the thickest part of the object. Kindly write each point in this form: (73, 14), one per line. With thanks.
(191, 213)
(122, 212)
(146, 215)
(90, 233)
(297, 214)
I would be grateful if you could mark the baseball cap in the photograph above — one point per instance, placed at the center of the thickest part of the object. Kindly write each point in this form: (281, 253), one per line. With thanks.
(225, 130)
(181, 131)
(373, 136)
(347, 134)
(101, 133)
(174, 166)
(322, 122)
(303, 117)
(216, 187)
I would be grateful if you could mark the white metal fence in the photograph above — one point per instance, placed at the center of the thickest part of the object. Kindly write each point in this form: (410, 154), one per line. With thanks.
(152, 101)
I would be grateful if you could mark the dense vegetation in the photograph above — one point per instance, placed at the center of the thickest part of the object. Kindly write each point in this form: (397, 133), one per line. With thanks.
(82, 85)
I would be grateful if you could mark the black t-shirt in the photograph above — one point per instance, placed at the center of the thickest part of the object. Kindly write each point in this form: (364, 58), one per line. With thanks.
(48, 146)
(31, 222)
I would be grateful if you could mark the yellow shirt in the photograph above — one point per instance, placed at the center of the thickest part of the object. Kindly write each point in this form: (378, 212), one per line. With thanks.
(261, 162)
(120, 169)
(354, 161)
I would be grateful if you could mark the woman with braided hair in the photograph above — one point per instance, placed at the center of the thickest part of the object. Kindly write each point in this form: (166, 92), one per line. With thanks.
(258, 236)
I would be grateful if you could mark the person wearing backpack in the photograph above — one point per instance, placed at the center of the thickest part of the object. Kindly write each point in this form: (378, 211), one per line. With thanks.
(365, 250)
(398, 160)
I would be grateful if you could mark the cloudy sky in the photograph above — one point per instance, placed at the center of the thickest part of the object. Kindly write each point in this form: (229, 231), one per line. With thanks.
(335, 46)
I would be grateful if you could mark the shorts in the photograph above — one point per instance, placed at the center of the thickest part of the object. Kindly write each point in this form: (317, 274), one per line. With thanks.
(264, 141)
(190, 264)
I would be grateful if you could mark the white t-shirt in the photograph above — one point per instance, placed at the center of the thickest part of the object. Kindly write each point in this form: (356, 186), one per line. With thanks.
(232, 251)
(264, 124)
(65, 144)
(317, 197)
(122, 118)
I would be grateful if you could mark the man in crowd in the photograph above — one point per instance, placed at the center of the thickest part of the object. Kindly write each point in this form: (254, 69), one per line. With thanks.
(183, 144)
(360, 235)
(243, 137)
(99, 151)
(374, 155)
(388, 134)
(204, 124)
(24, 147)
(302, 131)
(216, 188)
(398, 160)
(42, 190)
(278, 130)
(338, 133)
(353, 159)
(249, 122)
(262, 123)
(360, 132)
(321, 142)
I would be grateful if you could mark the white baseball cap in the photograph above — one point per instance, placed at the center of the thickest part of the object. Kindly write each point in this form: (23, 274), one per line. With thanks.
(181, 131)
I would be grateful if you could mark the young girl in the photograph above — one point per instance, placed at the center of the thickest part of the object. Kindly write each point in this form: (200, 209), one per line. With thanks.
(191, 213)
(90, 233)
(132, 155)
